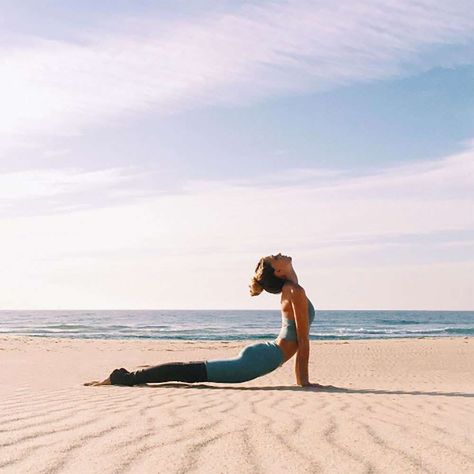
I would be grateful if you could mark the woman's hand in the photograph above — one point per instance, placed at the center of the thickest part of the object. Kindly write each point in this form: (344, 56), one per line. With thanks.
(314, 385)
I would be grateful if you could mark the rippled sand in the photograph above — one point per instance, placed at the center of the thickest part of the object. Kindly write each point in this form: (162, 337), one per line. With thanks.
(398, 406)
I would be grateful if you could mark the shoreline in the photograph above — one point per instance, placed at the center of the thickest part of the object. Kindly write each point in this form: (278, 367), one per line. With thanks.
(232, 341)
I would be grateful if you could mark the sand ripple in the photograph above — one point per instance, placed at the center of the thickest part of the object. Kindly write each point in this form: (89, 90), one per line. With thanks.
(390, 413)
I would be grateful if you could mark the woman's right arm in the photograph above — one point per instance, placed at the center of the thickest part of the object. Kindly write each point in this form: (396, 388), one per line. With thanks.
(300, 311)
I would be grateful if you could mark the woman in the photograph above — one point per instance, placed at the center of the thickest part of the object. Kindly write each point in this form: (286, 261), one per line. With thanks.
(274, 274)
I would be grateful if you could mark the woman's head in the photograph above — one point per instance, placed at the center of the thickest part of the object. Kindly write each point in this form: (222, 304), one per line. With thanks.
(270, 274)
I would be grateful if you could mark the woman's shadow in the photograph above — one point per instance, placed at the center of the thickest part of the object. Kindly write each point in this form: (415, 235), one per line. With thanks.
(319, 389)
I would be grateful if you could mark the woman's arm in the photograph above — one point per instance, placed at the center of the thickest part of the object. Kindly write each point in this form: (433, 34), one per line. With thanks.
(300, 311)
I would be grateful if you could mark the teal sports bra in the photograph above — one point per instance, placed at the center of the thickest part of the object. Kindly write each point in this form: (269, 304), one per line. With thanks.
(288, 326)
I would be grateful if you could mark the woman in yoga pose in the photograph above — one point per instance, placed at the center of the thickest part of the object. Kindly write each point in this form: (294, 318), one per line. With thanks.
(274, 274)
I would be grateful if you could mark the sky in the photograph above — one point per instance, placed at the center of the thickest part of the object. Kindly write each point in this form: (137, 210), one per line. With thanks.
(152, 152)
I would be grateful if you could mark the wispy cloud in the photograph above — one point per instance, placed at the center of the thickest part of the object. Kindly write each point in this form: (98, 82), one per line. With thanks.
(36, 184)
(450, 178)
(42, 192)
(416, 199)
(238, 57)
(401, 221)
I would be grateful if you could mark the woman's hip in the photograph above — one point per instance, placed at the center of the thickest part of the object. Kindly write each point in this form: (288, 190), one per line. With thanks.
(253, 361)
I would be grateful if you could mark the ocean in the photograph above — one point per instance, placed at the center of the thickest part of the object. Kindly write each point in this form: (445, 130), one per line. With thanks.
(229, 325)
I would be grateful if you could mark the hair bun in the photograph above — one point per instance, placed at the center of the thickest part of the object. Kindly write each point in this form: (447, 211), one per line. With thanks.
(255, 287)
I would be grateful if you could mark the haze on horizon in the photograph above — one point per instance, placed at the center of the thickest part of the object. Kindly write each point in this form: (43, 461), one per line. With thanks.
(151, 154)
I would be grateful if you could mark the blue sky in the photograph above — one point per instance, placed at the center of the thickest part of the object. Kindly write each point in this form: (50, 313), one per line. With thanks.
(153, 139)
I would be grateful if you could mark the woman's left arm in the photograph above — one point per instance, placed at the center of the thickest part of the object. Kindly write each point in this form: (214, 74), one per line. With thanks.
(300, 311)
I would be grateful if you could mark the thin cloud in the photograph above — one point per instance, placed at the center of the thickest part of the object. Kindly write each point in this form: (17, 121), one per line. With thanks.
(236, 58)
(450, 176)
(34, 184)
(449, 180)
(42, 192)
(420, 198)
(391, 249)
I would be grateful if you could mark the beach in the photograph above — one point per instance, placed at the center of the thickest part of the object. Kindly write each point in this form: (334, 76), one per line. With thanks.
(399, 405)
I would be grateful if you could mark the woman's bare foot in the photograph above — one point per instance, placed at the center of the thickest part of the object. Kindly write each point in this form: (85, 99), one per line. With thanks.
(96, 383)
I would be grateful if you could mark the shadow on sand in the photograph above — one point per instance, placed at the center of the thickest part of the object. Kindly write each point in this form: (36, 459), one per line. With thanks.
(322, 388)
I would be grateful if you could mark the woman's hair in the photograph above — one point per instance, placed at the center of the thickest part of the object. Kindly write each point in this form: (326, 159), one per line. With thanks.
(265, 279)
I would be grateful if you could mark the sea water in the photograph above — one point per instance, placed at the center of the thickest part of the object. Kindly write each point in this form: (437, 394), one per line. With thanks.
(225, 325)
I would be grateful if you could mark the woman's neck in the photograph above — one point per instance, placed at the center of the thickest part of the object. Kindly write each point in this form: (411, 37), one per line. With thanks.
(292, 276)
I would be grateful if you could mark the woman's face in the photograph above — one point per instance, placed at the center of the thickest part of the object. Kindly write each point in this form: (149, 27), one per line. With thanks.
(280, 263)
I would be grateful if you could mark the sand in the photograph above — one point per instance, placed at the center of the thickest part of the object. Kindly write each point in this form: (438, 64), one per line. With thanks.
(400, 406)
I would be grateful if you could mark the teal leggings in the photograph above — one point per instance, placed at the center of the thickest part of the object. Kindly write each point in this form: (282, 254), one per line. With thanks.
(253, 361)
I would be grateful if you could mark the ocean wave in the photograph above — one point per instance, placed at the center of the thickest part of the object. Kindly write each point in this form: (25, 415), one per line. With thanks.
(232, 326)
(400, 332)
(399, 322)
(460, 331)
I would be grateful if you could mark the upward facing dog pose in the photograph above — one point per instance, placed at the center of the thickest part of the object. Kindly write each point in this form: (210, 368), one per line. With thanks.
(274, 274)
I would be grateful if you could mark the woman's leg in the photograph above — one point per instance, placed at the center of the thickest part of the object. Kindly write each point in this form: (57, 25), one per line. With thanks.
(252, 362)
(170, 372)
